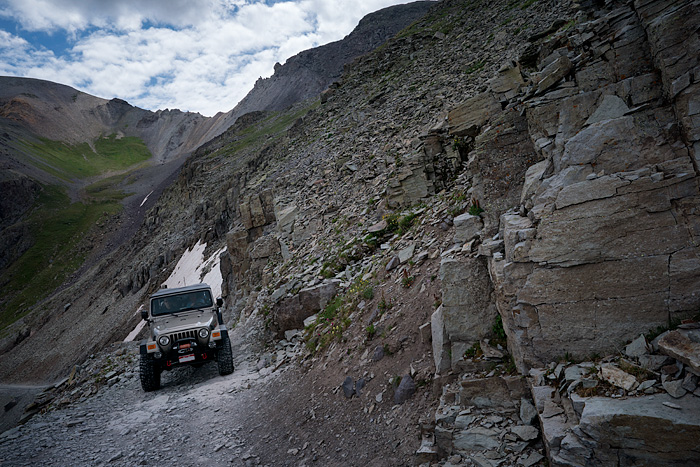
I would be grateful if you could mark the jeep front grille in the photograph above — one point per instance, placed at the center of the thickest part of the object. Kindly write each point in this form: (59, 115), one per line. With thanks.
(176, 336)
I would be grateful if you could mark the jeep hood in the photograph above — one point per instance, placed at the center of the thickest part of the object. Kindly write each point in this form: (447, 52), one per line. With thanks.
(183, 321)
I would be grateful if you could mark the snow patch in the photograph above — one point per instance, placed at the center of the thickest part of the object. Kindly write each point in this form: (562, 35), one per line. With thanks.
(146, 199)
(192, 266)
(132, 335)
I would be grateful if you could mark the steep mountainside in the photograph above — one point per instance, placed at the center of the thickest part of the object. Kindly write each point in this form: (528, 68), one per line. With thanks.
(53, 135)
(310, 72)
(505, 189)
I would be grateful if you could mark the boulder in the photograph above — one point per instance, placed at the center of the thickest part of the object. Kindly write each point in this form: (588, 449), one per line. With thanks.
(553, 73)
(291, 312)
(440, 342)
(493, 392)
(525, 432)
(637, 347)
(611, 107)
(476, 439)
(405, 390)
(467, 307)
(467, 227)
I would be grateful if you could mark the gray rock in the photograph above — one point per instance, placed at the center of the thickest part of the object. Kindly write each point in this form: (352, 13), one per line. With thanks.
(690, 382)
(348, 387)
(525, 432)
(463, 421)
(468, 118)
(638, 428)
(440, 342)
(637, 347)
(476, 439)
(285, 218)
(528, 413)
(378, 227)
(467, 227)
(678, 345)
(553, 73)
(531, 459)
(646, 385)
(405, 390)
(674, 388)
(393, 263)
(467, 308)
(406, 254)
(611, 107)
(653, 362)
(573, 373)
(494, 392)
(378, 353)
(359, 386)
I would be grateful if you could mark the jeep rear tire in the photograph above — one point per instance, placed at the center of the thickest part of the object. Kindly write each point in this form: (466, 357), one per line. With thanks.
(225, 358)
(150, 373)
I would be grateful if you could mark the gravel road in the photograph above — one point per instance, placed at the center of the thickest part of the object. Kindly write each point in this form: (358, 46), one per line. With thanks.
(192, 420)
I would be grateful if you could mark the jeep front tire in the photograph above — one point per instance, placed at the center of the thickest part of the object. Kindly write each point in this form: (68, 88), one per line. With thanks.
(150, 373)
(225, 358)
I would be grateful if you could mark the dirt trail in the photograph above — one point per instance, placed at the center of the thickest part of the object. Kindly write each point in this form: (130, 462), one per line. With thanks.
(281, 415)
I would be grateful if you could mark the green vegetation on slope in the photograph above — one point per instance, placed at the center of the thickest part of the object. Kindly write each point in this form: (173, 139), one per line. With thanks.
(57, 227)
(65, 161)
(271, 127)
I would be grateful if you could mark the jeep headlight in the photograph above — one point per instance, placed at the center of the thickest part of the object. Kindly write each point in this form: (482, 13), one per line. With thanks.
(203, 333)
(164, 341)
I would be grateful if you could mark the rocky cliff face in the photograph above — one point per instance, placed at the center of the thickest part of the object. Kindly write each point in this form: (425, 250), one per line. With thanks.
(603, 243)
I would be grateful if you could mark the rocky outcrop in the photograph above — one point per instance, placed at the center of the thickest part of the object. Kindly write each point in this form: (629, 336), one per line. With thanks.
(602, 243)
(291, 312)
(251, 246)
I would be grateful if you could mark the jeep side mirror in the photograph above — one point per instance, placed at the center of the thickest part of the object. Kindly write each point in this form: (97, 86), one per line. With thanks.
(219, 302)
(144, 314)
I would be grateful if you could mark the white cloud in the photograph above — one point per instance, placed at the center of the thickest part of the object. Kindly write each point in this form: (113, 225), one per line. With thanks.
(202, 56)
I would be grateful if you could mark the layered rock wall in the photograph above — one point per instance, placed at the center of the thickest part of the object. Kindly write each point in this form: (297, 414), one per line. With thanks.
(605, 243)
(589, 180)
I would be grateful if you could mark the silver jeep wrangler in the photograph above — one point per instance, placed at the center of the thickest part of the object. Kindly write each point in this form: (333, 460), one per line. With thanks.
(185, 327)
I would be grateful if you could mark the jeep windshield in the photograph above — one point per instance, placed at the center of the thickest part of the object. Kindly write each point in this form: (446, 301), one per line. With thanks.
(181, 302)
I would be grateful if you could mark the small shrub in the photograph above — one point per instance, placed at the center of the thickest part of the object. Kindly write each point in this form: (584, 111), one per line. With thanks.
(384, 305)
(406, 280)
(475, 67)
(497, 328)
(473, 351)
(509, 365)
(371, 331)
(475, 209)
(368, 293)
(406, 222)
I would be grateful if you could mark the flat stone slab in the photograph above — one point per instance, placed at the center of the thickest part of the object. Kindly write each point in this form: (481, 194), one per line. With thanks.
(650, 430)
(678, 344)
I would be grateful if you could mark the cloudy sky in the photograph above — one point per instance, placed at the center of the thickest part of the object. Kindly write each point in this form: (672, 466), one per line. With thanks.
(197, 55)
